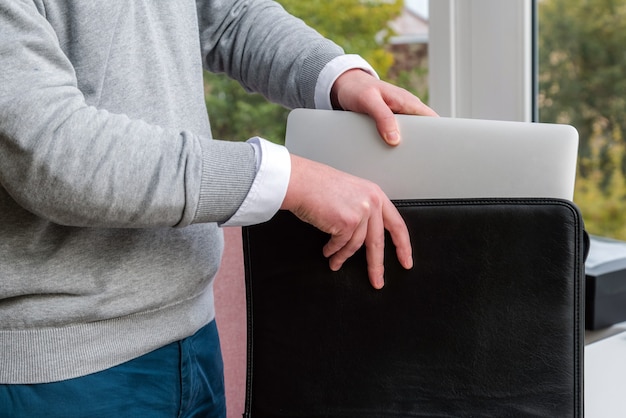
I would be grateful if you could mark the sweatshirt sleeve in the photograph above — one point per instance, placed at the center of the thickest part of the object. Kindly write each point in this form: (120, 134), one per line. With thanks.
(264, 48)
(79, 165)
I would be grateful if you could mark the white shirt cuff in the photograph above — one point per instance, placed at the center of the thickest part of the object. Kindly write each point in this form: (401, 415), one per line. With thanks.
(269, 187)
(332, 71)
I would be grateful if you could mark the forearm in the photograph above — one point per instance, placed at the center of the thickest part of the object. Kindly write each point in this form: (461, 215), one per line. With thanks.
(82, 165)
(85, 167)
(265, 49)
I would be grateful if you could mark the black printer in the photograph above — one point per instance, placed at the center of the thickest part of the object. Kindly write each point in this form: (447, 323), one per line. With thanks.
(605, 271)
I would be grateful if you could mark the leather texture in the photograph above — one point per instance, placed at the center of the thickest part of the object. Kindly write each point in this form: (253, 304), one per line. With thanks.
(488, 323)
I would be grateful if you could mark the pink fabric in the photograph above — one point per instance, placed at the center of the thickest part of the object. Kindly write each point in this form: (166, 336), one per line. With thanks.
(230, 305)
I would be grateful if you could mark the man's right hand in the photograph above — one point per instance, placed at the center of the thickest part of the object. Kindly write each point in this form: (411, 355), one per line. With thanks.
(352, 210)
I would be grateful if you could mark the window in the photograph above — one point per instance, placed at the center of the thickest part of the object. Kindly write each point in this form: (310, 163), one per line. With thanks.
(582, 82)
(482, 65)
(481, 59)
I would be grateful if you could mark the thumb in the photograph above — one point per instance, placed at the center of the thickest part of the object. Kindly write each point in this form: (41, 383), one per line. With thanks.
(386, 123)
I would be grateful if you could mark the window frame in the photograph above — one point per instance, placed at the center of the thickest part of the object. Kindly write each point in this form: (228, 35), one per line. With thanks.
(482, 59)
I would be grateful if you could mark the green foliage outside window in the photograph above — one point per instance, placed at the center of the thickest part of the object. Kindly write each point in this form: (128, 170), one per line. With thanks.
(582, 82)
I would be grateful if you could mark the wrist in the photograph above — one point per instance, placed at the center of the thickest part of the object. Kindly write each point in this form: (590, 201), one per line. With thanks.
(289, 201)
(334, 69)
(344, 79)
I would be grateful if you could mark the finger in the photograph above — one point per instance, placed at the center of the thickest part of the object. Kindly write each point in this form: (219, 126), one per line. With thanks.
(375, 251)
(403, 102)
(394, 100)
(355, 242)
(399, 233)
(335, 243)
(385, 120)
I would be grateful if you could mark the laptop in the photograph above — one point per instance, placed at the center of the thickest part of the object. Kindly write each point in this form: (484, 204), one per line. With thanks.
(441, 158)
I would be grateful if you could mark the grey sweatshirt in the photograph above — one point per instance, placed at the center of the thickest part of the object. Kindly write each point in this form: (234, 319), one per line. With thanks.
(110, 183)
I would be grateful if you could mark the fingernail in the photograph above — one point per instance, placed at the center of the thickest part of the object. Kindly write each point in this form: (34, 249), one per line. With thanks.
(380, 283)
(392, 138)
(408, 263)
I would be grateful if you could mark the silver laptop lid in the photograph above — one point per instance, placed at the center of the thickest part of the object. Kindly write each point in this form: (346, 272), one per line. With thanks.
(442, 157)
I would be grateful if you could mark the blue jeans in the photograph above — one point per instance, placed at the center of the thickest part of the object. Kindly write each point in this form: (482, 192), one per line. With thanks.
(182, 379)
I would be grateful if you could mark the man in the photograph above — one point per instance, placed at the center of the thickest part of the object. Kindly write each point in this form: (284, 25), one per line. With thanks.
(113, 192)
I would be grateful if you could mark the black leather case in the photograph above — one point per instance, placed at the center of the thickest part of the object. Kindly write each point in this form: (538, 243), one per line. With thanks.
(489, 322)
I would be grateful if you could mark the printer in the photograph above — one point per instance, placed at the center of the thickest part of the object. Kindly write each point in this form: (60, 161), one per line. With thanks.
(605, 277)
